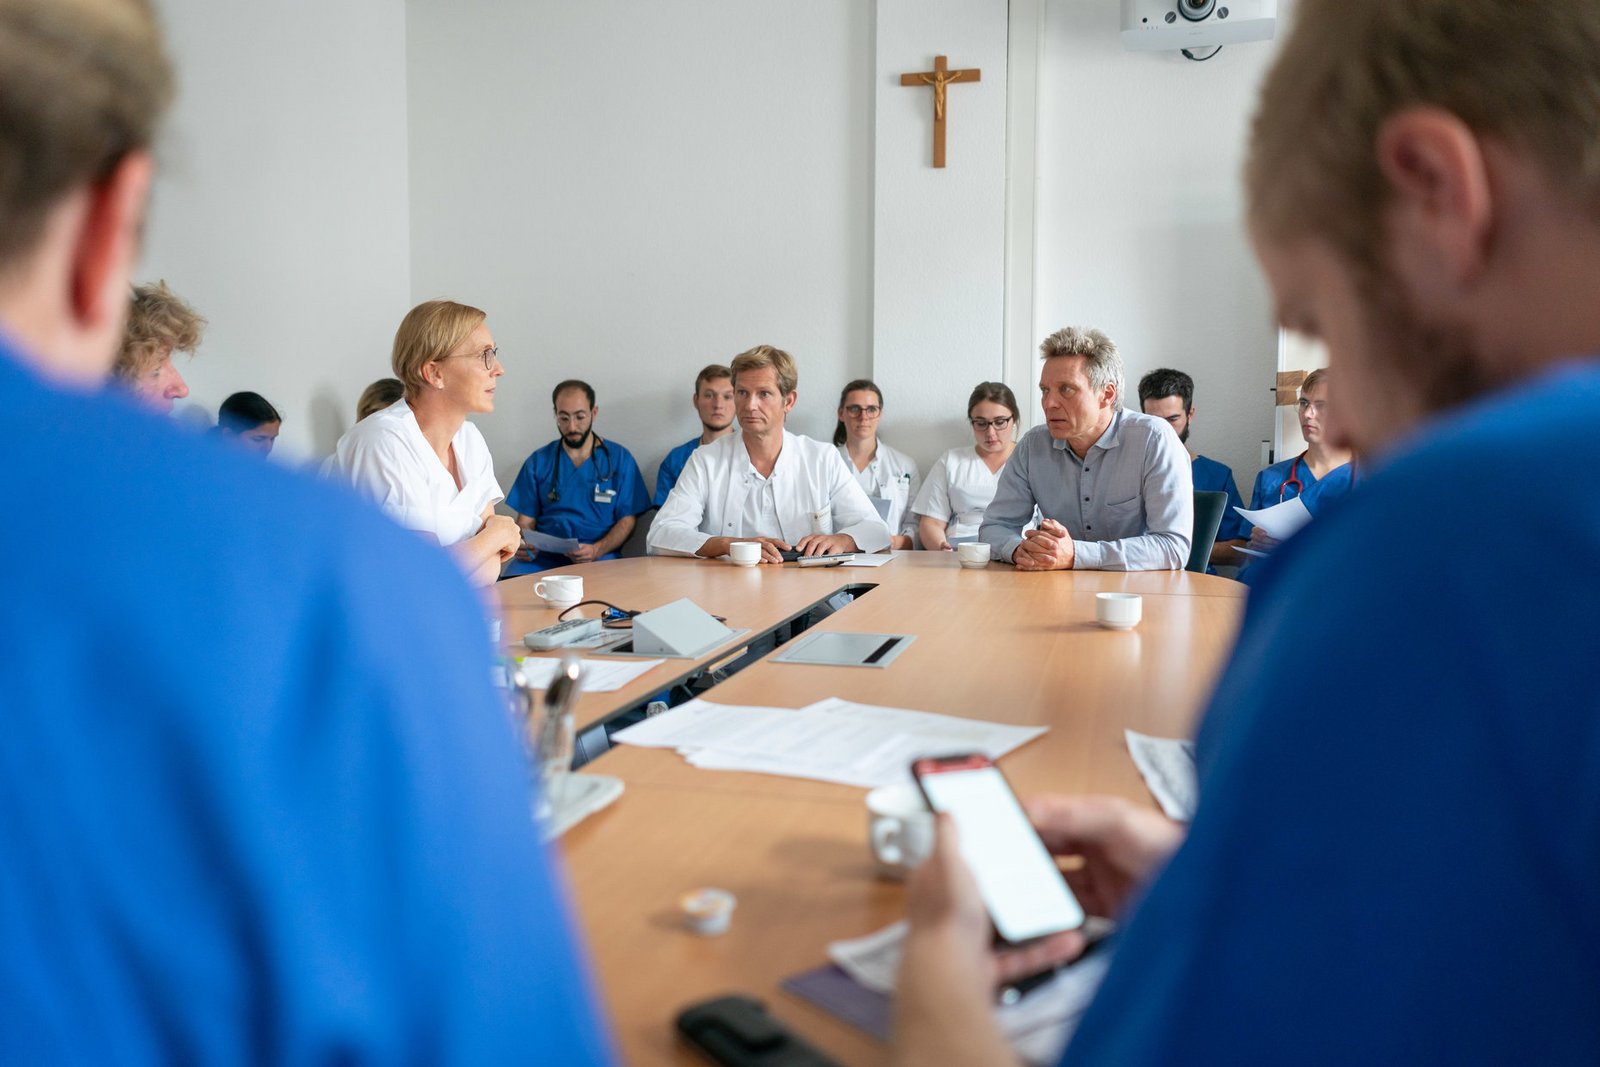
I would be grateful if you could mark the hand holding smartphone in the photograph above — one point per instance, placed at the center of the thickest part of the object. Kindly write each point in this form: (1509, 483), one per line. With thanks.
(1021, 886)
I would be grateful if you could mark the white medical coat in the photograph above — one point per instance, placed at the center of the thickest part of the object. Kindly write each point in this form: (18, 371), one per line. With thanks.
(386, 457)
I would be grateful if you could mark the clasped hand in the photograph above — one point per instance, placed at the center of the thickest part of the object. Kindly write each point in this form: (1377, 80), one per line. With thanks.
(1049, 548)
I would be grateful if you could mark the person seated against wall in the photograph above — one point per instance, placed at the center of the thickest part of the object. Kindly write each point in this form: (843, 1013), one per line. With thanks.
(159, 324)
(764, 483)
(420, 458)
(959, 487)
(713, 403)
(1304, 475)
(250, 420)
(1169, 394)
(889, 476)
(379, 395)
(579, 486)
(1113, 486)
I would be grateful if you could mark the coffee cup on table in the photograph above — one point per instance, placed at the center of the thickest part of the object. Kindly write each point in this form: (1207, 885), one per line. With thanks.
(1118, 611)
(899, 829)
(745, 553)
(974, 553)
(559, 590)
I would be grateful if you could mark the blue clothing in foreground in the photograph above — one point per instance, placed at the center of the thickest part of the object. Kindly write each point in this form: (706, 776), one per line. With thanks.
(258, 800)
(609, 474)
(671, 469)
(1398, 863)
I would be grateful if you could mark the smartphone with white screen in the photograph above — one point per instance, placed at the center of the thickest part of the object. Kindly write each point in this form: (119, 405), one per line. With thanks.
(1021, 886)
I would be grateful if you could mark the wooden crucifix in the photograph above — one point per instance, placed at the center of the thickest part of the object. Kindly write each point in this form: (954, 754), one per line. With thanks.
(939, 77)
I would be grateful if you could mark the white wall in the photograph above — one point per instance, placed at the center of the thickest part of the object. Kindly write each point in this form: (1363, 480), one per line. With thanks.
(1140, 216)
(940, 234)
(632, 191)
(281, 209)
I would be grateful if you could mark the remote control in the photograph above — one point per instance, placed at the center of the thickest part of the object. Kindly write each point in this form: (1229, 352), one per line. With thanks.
(825, 561)
(562, 633)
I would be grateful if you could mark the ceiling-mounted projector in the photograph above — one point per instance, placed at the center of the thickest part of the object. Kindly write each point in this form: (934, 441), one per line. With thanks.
(1168, 25)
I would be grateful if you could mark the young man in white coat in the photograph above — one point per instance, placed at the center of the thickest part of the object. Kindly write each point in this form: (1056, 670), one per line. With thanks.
(764, 483)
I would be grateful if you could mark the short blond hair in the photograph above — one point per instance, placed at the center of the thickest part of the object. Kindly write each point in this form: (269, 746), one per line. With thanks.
(82, 84)
(160, 323)
(1102, 363)
(1313, 380)
(762, 357)
(1523, 72)
(430, 332)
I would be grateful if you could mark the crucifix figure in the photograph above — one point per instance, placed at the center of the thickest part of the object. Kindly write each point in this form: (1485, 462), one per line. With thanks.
(939, 77)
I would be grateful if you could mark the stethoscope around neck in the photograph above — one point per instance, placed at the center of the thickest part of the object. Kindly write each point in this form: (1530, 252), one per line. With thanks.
(604, 474)
(1293, 479)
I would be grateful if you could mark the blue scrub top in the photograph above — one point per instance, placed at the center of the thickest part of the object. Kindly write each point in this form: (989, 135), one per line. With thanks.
(1211, 476)
(576, 513)
(1397, 860)
(1273, 485)
(672, 469)
(260, 799)
(1333, 486)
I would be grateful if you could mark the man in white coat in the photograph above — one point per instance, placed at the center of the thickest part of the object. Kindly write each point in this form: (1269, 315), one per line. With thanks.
(764, 483)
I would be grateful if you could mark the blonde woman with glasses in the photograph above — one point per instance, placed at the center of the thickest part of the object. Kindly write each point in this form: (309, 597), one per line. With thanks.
(420, 458)
(959, 487)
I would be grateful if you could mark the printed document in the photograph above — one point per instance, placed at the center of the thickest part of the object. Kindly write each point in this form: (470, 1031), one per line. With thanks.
(543, 542)
(1280, 521)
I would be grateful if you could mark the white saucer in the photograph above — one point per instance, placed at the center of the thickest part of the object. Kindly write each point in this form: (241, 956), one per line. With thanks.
(739, 563)
(973, 566)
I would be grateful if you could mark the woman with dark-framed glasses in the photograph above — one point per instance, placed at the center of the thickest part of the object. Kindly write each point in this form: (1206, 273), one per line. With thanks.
(889, 476)
(420, 458)
(961, 484)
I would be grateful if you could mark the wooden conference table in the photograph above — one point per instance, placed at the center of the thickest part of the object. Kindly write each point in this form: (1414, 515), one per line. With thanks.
(994, 644)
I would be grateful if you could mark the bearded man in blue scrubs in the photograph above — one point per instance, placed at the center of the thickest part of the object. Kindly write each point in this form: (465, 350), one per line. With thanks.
(258, 799)
(1169, 394)
(1399, 862)
(579, 487)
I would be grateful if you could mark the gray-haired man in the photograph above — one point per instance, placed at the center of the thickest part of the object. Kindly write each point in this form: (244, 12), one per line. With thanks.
(1114, 486)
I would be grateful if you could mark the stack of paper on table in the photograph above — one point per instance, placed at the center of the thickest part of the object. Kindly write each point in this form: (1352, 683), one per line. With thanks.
(832, 740)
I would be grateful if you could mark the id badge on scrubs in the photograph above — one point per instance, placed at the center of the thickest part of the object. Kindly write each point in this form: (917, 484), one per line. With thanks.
(604, 496)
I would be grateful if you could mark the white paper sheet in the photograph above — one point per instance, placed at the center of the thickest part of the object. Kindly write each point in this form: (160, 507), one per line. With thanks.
(1280, 521)
(862, 559)
(1168, 769)
(1255, 552)
(543, 542)
(599, 676)
(832, 740)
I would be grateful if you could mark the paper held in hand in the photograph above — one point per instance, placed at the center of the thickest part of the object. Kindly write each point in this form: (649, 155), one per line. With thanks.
(1281, 521)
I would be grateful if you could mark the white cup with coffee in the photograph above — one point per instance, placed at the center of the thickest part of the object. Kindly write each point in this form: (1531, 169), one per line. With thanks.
(559, 590)
(899, 829)
(1118, 611)
(974, 554)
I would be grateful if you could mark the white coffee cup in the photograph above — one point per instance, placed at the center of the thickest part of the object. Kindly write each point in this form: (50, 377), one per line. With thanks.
(974, 553)
(1118, 611)
(560, 588)
(745, 553)
(899, 829)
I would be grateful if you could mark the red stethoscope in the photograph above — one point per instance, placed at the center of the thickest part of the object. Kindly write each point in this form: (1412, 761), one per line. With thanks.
(1293, 479)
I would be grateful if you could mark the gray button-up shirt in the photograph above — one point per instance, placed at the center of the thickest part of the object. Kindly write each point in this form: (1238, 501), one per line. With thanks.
(1128, 503)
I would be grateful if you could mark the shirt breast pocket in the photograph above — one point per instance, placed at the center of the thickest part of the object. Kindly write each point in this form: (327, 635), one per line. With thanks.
(1122, 519)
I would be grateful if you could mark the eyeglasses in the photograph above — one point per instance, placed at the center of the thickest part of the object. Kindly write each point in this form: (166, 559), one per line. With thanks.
(855, 411)
(1316, 407)
(487, 356)
(983, 424)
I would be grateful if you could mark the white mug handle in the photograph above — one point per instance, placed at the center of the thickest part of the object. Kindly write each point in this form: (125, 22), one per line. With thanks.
(886, 842)
(538, 590)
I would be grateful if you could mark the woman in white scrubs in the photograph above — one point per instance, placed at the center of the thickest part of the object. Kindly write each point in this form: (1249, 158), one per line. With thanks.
(420, 458)
(889, 476)
(962, 483)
